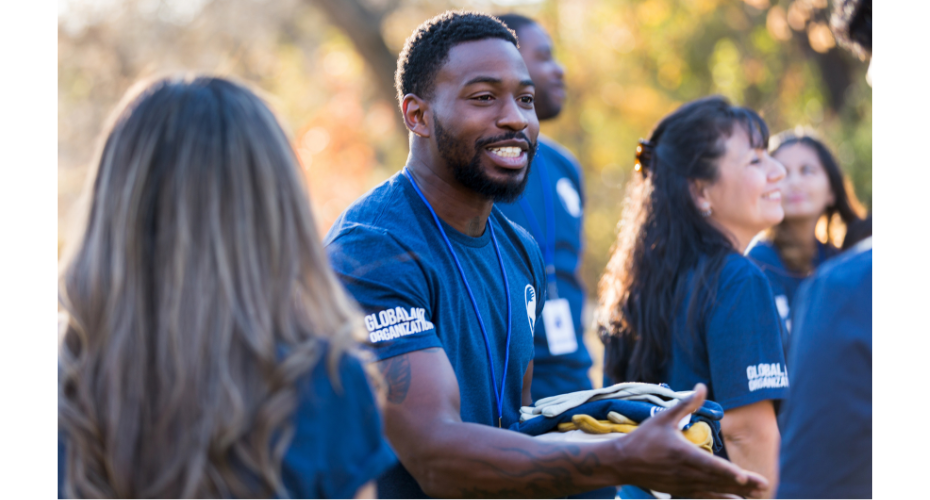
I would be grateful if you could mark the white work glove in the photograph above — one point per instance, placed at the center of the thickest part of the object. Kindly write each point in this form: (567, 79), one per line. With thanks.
(634, 391)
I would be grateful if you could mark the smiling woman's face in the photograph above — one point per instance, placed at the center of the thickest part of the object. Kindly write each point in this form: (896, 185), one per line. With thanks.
(746, 197)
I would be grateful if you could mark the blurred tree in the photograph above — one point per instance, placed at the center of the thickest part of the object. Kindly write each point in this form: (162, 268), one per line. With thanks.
(328, 66)
(361, 22)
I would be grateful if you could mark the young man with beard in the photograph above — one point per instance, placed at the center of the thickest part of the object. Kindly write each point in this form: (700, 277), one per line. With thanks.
(452, 291)
(550, 208)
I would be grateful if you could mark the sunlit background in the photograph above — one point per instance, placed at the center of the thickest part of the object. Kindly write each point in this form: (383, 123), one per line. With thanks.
(327, 67)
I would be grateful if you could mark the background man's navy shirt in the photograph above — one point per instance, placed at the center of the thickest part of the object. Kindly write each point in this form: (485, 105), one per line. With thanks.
(390, 255)
(338, 444)
(826, 423)
(563, 373)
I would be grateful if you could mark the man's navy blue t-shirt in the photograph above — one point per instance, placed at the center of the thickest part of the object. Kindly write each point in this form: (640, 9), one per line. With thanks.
(338, 445)
(568, 372)
(784, 281)
(826, 422)
(389, 254)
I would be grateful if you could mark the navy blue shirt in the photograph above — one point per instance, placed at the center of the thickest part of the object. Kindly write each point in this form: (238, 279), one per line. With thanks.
(338, 442)
(784, 281)
(735, 346)
(826, 423)
(568, 372)
(390, 255)
(736, 349)
(337, 445)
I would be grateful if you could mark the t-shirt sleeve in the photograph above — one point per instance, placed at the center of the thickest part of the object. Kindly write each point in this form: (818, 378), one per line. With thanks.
(391, 286)
(744, 347)
(338, 443)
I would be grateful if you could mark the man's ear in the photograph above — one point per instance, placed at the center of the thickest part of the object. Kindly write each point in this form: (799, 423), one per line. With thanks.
(415, 113)
(700, 195)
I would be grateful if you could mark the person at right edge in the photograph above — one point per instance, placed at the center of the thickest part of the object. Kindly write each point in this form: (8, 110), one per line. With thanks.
(679, 303)
(827, 419)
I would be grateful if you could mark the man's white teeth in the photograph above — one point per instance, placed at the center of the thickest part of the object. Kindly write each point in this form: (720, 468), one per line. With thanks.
(510, 152)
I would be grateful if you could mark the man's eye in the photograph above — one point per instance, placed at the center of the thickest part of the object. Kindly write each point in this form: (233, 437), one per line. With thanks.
(484, 97)
(527, 99)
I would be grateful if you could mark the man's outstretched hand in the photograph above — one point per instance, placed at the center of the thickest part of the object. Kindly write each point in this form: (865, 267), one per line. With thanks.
(658, 457)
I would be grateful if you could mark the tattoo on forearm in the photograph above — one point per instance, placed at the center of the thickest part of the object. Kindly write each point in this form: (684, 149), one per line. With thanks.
(551, 471)
(396, 372)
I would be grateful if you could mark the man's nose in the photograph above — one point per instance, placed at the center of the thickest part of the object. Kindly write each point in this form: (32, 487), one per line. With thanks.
(513, 116)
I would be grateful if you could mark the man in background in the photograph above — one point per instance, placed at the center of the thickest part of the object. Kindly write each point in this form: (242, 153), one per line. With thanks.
(551, 209)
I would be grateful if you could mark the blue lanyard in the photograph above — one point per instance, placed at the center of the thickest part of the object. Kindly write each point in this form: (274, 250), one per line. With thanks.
(498, 395)
(549, 241)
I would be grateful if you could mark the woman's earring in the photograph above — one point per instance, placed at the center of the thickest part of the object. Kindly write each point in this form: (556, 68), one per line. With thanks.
(706, 211)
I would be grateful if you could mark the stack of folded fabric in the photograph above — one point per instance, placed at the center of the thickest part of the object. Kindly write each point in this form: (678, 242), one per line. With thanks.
(620, 409)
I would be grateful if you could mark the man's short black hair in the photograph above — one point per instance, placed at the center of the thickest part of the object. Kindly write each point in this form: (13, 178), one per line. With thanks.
(428, 47)
(515, 21)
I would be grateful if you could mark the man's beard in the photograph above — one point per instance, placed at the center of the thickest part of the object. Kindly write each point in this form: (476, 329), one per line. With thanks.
(466, 165)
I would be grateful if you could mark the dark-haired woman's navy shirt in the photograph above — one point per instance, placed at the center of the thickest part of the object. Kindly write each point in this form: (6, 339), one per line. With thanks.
(826, 423)
(338, 445)
(733, 346)
(784, 281)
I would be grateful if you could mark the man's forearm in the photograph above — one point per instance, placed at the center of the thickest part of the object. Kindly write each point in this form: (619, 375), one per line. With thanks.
(470, 460)
(451, 458)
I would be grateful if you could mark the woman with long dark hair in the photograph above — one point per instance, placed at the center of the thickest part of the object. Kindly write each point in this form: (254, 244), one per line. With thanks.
(679, 304)
(207, 347)
(814, 192)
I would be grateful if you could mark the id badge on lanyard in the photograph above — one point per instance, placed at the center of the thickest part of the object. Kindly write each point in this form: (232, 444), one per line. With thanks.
(557, 314)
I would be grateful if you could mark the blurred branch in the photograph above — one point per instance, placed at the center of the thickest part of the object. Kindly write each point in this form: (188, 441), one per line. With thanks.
(835, 67)
(835, 71)
(363, 27)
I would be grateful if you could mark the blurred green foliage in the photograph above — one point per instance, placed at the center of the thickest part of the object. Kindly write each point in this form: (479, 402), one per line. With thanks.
(628, 63)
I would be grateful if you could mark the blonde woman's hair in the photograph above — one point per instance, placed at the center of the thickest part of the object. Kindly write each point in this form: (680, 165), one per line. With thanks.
(195, 298)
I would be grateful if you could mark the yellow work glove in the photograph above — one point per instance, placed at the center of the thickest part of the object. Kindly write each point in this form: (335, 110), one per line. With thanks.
(699, 432)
